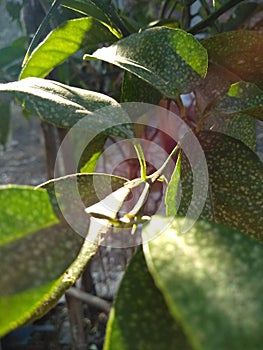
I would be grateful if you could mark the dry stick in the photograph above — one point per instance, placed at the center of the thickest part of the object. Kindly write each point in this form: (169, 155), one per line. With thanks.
(76, 319)
(91, 300)
(210, 19)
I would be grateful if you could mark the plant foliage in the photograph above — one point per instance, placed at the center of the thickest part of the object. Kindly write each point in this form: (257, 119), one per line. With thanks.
(201, 289)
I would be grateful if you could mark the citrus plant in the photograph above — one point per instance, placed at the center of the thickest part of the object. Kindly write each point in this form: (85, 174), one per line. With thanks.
(199, 288)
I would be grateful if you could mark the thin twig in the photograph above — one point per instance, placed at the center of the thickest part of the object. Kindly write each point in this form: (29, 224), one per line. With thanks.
(163, 9)
(91, 300)
(210, 19)
(172, 10)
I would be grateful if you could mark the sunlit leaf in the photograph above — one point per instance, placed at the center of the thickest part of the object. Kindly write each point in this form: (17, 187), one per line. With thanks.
(173, 190)
(235, 196)
(63, 105)
(212, 281)
(170, 60)
(41, 257)
(241, 52)
(91, 154)
(64, 41)
(31, 209)
(140, 319)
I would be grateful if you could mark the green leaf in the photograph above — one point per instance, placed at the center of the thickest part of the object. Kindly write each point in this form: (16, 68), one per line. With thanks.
(242, 97)
(241, 52)
(235, 198)
(242, 127)
(20, 214)
(39, 262)
(170, 60)
(63, 42)
(214, 88)
(73, 193)
(101, 10)
(135, 89)
(173, 190)
(13, 52)
(140, 319)
(63, 105)
(35, 250)
(91, 154)
(211, 278)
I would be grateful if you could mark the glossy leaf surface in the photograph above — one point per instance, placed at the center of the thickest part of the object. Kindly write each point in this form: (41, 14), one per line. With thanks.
(235, 196)
(43, 257)
(170, 60)
(240, 52)
(140, 319)
(211, 280)
(63, 105)
(63, 42)
(25, 205)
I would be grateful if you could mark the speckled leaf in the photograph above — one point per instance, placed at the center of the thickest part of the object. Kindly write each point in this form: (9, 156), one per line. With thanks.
(135, 89)
(41, 262)
(76, 192)
(212, 280)
(103, 10)
(215, 85)
(31, 209)
(35, 251)
(241, 52)
(170, 60)
(63, 105)
(64, 41)
(140, 319)
(242, 97)
(235, 198)
(241, 127)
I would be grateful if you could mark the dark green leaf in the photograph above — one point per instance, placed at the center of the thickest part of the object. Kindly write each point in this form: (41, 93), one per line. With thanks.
(241, 127)
(63, 105)
(170, 60)
(211, 278)
(235, 198)
(102, 10)
(135, 89)
(140, 319)
(241, 52)
(63, 42)
(242, 97)
(13, 52)
(215, 87)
